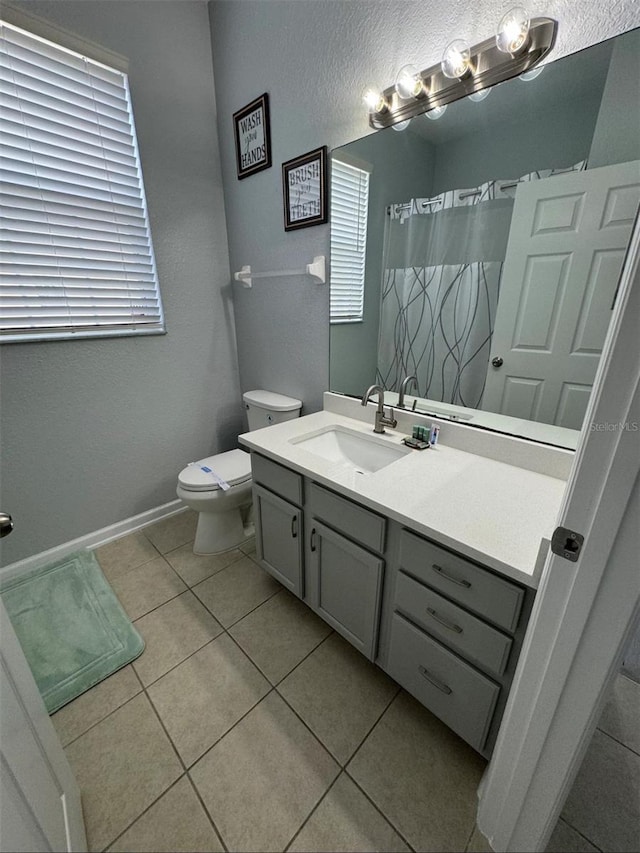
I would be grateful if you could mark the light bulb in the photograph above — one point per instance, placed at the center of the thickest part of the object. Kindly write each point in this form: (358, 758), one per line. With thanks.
(374, 99)
(436, 113)
(481, 95)
(456, 59)
(409, 82)
(513, 31)
(401, 125)
(532, 73)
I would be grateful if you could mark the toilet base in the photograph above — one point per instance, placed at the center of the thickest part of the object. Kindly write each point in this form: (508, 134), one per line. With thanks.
(220, 532)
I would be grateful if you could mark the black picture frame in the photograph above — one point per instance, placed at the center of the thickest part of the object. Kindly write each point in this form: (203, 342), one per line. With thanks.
(304, 189)
(252, 130)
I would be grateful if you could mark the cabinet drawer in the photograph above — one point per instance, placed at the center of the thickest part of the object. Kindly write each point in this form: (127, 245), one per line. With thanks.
(453, 690)
(475, 588)
(470, 636)
(359, 523)
(279, 479)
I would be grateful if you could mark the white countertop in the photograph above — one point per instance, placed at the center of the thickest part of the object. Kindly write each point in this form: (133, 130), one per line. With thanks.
(489, 511)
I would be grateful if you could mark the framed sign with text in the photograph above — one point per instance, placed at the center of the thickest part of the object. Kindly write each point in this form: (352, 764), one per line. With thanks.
(304, 187)
(253, 137)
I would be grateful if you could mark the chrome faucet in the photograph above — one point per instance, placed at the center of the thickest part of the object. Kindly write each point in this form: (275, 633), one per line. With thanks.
(381, 420)
(403, 388)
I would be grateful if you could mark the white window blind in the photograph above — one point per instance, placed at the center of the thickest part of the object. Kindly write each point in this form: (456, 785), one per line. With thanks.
(349, 209)
(75, 247)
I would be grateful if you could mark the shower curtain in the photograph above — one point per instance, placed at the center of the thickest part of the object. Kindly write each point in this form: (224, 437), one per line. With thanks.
(442, 260)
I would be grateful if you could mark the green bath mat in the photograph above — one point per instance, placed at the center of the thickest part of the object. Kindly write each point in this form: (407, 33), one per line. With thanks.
(71, 626)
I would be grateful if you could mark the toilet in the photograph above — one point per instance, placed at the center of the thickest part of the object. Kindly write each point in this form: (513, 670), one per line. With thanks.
(219, 487)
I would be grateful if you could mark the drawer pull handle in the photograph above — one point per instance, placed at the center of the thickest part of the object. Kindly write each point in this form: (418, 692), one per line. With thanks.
(450, 625)
(294, 527)
(312, 541)
(433, 680)
(459, 581)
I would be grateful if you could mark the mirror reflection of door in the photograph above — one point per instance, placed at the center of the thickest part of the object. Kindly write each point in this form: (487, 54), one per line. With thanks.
(566, 246)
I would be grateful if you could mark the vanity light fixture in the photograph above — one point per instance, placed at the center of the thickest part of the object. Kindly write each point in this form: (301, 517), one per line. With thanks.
(481, 95)
(409, 83)
(436, 113)
(401, 125)
(374, 99)
(531, 75)
(520, 45)
(456, 60)
(513, 31)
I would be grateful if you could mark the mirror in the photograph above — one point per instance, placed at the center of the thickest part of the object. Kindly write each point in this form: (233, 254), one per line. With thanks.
(495, 236)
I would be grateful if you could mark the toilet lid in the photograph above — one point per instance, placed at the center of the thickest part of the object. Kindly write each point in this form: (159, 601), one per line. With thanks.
(234, 467)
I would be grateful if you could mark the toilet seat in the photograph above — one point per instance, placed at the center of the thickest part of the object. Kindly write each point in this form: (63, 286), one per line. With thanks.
(234, 467)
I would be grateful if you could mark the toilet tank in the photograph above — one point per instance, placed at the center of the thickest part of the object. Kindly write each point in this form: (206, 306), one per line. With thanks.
(265, 408)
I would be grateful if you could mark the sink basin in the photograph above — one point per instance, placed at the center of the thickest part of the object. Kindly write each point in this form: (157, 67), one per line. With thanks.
(365, 453)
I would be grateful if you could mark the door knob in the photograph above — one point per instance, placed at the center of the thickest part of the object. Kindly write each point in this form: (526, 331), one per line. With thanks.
(497, 361)
(6, 524)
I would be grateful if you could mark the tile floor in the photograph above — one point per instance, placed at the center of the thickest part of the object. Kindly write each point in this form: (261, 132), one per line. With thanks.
(602, 811)
(603, 806)
(247, 724)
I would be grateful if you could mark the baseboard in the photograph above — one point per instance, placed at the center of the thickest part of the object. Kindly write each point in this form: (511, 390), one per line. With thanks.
(93, 540)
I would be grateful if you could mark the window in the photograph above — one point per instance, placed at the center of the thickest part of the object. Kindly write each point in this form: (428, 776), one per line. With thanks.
(76, 253)
(349, 210)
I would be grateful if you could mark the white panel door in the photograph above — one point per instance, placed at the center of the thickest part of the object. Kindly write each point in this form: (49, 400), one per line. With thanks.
(567, 242)
(39, 799)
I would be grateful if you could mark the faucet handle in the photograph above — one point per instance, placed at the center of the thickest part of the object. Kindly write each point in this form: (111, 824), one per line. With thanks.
(389, 420)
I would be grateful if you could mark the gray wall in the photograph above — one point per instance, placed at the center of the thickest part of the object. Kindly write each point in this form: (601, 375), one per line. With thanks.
(617, 133)
(94, 432)
(402, 168)
(313, 58)
(545, 134)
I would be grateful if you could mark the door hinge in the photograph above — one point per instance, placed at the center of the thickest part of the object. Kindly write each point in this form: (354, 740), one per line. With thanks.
(567, 543)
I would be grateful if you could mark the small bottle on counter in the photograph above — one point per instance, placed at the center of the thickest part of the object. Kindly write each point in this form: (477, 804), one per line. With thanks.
(433, 437)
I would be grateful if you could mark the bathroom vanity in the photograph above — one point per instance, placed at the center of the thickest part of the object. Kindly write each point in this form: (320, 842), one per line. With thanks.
(427, 564)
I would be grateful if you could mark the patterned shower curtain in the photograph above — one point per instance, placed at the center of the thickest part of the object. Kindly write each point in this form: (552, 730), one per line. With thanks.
(436, 323)
(442, 261)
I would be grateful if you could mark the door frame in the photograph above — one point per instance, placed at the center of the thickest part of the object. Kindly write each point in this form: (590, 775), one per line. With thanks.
(584, 612)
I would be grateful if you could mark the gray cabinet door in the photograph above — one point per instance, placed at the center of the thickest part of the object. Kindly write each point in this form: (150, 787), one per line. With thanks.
(344, 585)
(279, 538)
